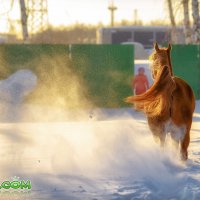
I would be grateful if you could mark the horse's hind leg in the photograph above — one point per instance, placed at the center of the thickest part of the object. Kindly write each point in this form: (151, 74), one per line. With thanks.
(175, 140)
(158, 132)
(159, 137)
(184, 145)
(182, 135)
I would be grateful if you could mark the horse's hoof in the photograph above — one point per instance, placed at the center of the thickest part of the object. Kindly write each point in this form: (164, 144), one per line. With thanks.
(184, 157)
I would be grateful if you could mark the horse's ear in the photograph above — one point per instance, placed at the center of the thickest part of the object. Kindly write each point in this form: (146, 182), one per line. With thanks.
(156, 46)
(169, 47)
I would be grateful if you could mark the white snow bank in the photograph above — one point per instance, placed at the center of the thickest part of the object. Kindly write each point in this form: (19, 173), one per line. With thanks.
(12, 93)
(16, 86)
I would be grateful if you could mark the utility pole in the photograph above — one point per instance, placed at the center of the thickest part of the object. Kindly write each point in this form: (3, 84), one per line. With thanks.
(24, 20)
(112, 9)
(135, 16)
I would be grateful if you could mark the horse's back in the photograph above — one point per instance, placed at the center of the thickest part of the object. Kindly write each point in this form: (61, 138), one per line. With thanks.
(183, 102)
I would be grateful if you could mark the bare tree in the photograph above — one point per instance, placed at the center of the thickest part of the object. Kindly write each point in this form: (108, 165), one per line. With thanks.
(24, 20)
(173, 22)
(196, 21)
(187, 28)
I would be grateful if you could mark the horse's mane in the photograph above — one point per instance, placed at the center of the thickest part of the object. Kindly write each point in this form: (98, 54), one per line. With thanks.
(162, 57)
(157, 100)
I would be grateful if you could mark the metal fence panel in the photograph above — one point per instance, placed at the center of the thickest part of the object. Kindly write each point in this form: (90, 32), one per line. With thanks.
(106, 70)
(186, 64)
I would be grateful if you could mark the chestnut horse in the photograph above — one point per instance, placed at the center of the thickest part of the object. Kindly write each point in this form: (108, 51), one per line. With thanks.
(169, 103)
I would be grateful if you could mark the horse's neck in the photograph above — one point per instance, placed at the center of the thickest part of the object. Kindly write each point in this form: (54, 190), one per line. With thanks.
(170, 64)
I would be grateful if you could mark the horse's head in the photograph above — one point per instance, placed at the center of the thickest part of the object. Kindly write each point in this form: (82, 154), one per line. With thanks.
(160, 58)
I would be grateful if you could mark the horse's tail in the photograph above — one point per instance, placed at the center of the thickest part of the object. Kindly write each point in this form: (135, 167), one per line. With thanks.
(157, 99)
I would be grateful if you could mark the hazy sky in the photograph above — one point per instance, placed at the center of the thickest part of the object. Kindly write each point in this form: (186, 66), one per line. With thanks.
(64, 12)
(94, 11)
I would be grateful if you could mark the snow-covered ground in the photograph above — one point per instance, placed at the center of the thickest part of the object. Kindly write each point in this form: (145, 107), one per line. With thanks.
(101, 154)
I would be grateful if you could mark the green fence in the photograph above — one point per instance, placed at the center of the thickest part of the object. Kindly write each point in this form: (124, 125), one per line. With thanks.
(107, 72)
(89, 75)
(17, 56)
(73, 75)
(186, 64)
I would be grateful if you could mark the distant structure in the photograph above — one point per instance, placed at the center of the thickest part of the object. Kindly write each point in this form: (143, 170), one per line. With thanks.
(37, 11)
(112, 9)
(145, 35)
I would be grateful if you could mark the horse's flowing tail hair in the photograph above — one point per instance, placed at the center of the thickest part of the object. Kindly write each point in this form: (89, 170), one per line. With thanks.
(157, 99)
